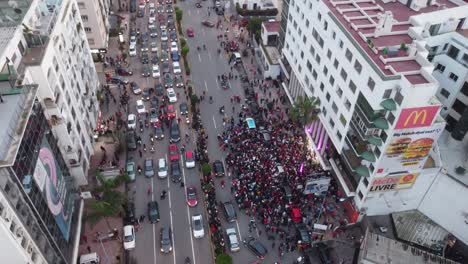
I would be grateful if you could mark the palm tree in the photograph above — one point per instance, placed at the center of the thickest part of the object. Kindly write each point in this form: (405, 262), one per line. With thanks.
(305, 110)
(111, 202)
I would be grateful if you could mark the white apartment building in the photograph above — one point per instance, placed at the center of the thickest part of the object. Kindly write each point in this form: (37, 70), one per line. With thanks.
(48, 47)
(95, 17)
(266, 52)
(367, 63)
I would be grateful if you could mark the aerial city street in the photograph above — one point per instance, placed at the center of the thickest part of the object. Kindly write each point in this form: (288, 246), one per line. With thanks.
(233, 131)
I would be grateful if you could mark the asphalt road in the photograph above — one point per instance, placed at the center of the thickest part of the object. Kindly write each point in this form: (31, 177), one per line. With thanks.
(206, 65)
(174, 211)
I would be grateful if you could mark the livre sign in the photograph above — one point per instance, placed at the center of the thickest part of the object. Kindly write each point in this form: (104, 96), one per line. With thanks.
(417, 117)
(393, 183)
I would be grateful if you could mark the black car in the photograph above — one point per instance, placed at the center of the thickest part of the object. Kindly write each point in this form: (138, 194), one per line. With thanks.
(175, 171)
(141, 12)
(153, 212)
(229, 212)
(164, 46)
(173, 36)
(256, 247)
(146, 94)
(302, 236)
(179, 82)
(119, 80)
(159, 89)
(168, 81)
(218, 168)
(164, 56)
(171, 26)
(183, 108)
(169, 9)
(135, 88)
(155, 58)
(159, 132)
(153, 32)
(175, 132)
(144, 58)
(130, 213)
(166, 239)
(146, 71)
(131, 140)
(165, 67)
(154, 102)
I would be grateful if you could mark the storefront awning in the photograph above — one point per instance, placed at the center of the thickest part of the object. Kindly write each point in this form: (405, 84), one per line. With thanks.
(367, 155)
(374, 140)
(388, 104)
(362, 171)
(380, 123)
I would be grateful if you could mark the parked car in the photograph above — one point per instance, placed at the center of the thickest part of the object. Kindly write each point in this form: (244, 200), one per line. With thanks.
(164, 35)
(131, 170)
(119, 80)
(179, 82)
(153, 212)
(146, 94)
(233, 241)
(175, 132)
(173, 152)
(166, 239)
(170, 111)
(171, 94)
(176, 67)
(135, 88)
(131, 140)
(174, 46)
(192, 196)
(162, 168)
(124, 71)
(229, 212)
(189, 159)
(129, 237)
(218, 168)
(183, 108)
(197, 226)
(131, 121)
(149, 171)
(256, 247)
(140, 107)
(146, 71)
(154, 119)
(208, 23)
(176, 175)
(130, 217)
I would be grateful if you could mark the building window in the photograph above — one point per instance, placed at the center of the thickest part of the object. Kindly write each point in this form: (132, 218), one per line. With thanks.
(387, 94)
(465, 58)
(453, 76)
(332, 80)
(338, 134)
(322, 87)
(336, 63)
(314, 74)
(464, 89)
(453, 52)
(328, 97)
(317, 58)
(371, 84)
(383, 136)
(307, 23)
(325, 25)
(334, 35)
(319, 16)
(391, 118)
(365, 181)
(358, 66)
(444, 93)
(307, 80)
(343, 120)
(299, 68)
(84, 18)
(309, 65)
(458, 106)
(349, 55)
(344, 75)
(87, 29)
(73, 113)
(347, 104)
(440, 67)
(339, 92)
(377, 152)
(360, 195)
(341, 44)
(312, 50)
(304, 39)
(332, 123)
(329, 54)
(352, 86)
(324, 111)
(398, 98)
(302, 54)
(335, 108)
(325, 70)
(81, 5)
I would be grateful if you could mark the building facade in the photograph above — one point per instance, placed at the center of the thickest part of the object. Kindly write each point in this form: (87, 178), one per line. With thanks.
(40, 208)
(48, 47)
(379, 119)
(95, 17)
(266, 52)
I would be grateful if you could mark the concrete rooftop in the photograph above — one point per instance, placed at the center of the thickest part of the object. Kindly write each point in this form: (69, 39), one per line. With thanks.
(453, 154)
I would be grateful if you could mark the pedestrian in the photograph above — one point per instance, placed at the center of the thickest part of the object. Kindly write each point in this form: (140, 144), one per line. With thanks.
(149, 191)
(103, 149)
(141, 154)
(182, 184)
(84, 238)
(89, 249)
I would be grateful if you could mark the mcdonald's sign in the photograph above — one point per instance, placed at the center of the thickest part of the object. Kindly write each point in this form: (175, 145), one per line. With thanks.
(417, 117)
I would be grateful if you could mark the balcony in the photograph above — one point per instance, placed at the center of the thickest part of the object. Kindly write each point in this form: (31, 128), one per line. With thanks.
(76, 158)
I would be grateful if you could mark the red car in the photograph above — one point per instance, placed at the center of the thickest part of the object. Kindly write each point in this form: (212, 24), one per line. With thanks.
(192, 196)
(173, 152)
(170, 111)
(190, 32)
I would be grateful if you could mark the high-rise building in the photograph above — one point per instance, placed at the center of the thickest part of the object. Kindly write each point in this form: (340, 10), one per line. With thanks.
(379, 118)
(95, 17)
(40, 207)
(44, 43)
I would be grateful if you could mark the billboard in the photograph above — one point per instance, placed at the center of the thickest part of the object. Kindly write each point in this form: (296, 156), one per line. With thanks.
(317, 186)
(408, 149)
(393, 183)
(417, 117)
(49, 179)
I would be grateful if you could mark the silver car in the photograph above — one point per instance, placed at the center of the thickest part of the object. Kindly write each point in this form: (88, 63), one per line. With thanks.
(149, 171)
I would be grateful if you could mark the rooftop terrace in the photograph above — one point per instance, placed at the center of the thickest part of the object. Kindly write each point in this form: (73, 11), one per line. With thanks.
(380, 29)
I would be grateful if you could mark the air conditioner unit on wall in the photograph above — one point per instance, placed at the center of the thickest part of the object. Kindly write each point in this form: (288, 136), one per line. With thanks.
(19, 232)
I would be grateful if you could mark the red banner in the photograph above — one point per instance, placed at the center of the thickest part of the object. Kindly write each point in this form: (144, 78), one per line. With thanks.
(417, 117)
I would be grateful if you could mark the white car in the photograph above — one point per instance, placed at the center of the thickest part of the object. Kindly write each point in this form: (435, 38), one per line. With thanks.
(174, 46)
(163, 35)
(151, 24)
(131, 121)
(156, 72)
(176, 67)
(172, 95)
(232, 239)
(133, 40)
(154, 46)
(129, 237)
(162, 168)
(140, 107)
(132, 51)
(197, 226)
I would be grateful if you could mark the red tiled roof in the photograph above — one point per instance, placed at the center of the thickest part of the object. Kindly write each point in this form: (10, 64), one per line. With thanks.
(272, 26)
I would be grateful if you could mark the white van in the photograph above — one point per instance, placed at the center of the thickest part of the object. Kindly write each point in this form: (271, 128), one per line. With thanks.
(91, 258)
(121, 38)
(132, 51)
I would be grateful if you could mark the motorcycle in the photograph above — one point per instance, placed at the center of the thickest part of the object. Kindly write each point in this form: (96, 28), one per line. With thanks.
(187, 260)
(163, 195)
(152, 149)
(221, 110)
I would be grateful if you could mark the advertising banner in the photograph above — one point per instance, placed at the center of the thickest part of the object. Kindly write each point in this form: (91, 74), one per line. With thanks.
(417, 117)
(393, 183)
(317, 186)
(408, 149)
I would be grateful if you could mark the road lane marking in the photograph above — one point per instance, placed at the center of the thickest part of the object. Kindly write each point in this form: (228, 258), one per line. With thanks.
(217, 84)
(199, 57)
(209, 55)
(214, 122)
(198, 11)
(238, 230)
(173, 237)
(206, 86)
(169, 196)
(230, 85)
(188, 215)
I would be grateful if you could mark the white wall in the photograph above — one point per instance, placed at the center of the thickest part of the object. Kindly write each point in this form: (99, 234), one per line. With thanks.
(446, 203)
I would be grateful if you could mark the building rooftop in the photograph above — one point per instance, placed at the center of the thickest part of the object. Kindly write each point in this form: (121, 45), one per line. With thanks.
(379, 28)
(273, 54)
(416, 228)
(272, 26)
(454, 154)
(380, 249)
(12, 12)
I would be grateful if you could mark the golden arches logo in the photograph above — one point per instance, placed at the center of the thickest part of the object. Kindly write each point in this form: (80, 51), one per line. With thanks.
(415, 116)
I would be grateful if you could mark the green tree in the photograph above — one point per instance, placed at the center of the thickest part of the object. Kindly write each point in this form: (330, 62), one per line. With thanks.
(305, 110)
(178, 14)
(111, 200)
(254, 27)
(223, 259)
(185, 51)
(206, 169)
(183, 42)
